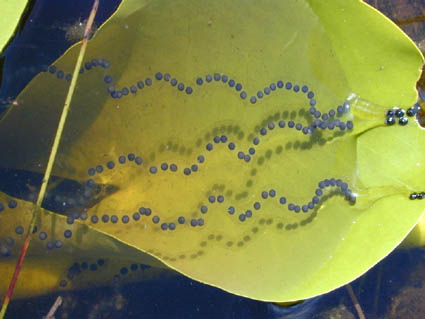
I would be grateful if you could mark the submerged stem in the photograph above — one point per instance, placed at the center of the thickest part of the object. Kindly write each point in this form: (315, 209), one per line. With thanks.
(355, 302)
(55, 306)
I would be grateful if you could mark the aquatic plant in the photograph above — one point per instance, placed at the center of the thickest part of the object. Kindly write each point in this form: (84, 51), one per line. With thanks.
(258, 149)
(11, 14)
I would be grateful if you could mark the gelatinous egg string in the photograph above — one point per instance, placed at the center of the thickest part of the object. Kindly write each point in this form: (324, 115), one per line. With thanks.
(116, 269)
(323, 121)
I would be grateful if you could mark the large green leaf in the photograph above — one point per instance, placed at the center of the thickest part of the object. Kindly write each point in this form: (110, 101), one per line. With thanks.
(344, 51)
(11, 11)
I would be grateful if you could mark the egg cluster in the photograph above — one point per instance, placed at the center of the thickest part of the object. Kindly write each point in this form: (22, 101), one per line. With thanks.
(417, 195)
(399, 114)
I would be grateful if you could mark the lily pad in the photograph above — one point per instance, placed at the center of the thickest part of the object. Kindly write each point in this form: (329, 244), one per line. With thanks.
(209, 121)
(11, 13)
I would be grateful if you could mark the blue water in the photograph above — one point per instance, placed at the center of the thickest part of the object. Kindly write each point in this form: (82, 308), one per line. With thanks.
(42, 40)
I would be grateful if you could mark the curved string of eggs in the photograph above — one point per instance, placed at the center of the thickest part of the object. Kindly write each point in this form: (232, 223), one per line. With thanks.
(323, 121)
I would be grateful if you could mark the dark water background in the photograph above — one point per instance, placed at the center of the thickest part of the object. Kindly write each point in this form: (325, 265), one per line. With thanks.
(392, 289)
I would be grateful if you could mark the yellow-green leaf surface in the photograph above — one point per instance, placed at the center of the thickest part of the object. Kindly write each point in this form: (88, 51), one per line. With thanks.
(11, 11)
(190, 137)
(85, 259)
